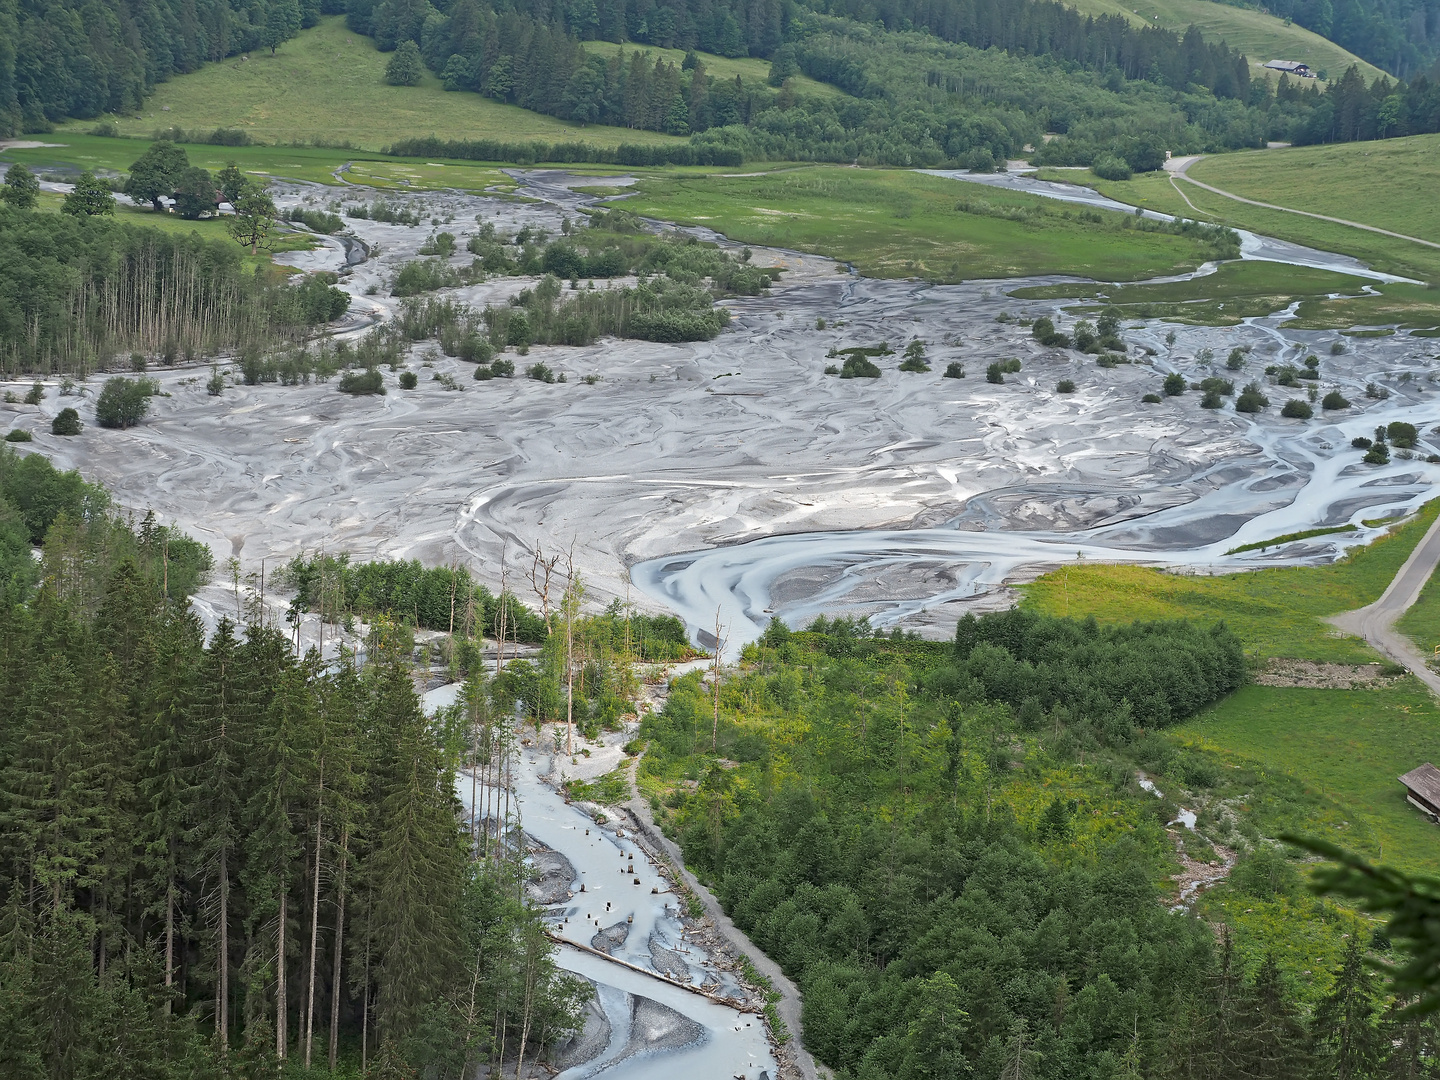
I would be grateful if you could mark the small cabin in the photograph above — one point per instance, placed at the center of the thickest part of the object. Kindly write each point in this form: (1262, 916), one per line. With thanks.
(1422, 790)
(1290, 67)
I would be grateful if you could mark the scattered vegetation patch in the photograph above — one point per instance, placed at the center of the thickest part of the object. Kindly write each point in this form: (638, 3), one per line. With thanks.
(1288, 538)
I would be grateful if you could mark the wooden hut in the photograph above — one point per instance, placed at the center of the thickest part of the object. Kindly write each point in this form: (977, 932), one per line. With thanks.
(1422, 790)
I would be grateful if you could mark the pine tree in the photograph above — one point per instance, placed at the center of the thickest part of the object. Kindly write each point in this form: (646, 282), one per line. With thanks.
(1344, 1023)
(415, 870)
(219, 803)
(1271, 1039)
(279, 781)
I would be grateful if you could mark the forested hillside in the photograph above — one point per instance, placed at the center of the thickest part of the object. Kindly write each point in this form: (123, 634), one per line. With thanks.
(216, 855)
(948, 850)
(1401, 36)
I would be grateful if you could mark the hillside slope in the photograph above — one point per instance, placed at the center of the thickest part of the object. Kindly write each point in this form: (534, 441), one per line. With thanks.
(327, 85)
(1259, 36)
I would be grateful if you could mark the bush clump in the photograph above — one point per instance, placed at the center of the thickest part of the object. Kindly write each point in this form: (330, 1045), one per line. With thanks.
(1174, 384)
(1297, 409)
(540, 373)
(1045, 333)
(123, 402)
(1211, 400)
(503, 368)
(1251, 400)
(857, 366)
(408, 380)
(1335, 400)
(368, 381)
(18, 435)
(1151, 399)
(1065, 386)
(66, 422)
(1402, 435)
(1111, 167)
(954, 370)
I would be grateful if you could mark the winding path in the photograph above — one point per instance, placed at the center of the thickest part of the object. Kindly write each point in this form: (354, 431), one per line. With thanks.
(1180, 167)
(1376, 622)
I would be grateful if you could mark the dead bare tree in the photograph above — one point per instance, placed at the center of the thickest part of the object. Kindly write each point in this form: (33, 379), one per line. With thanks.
(541, 571)
(715, 680)
(570, 608)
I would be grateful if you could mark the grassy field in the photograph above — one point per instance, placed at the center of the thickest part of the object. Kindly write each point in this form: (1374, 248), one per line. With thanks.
(750, 69)
(1275, 612)
(1386, 183)
(1156, 191)
(904, 224)
(1259, 36)
(210, 229)
(1421, 624)
(1349, 744)
(327, 84)
(1237, 290)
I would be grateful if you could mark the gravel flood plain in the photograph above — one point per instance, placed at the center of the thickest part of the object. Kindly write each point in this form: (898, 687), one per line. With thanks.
(911, 497)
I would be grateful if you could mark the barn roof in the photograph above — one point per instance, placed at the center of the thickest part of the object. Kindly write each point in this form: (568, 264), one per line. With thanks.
(1425, 782)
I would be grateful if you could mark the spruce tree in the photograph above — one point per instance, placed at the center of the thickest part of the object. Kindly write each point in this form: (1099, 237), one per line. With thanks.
(217, 810)
(415, 870)
(1344, 1024)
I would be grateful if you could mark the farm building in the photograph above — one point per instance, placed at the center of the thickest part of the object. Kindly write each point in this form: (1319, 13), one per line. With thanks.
(1291, 67)
(1422, 790)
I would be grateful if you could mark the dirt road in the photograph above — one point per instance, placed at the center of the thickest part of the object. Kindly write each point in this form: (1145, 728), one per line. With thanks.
(1376, 622)
(1179, 167)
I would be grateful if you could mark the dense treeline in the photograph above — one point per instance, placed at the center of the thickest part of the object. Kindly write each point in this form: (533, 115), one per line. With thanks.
(75, 290)
(218, 855)
(960, 893)
(428, 598)
(1156, 673)
(1350, 111)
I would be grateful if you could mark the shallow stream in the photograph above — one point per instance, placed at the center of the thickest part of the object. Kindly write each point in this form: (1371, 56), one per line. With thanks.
(641, 1026)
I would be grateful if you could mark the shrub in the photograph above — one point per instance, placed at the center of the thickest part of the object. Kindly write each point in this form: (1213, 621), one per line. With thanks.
(1236, 360)
(1337, 348)
(1065, 386)
(831, 369)
(1361, 443)
(1297, 409)
(482, 373)
(1111, 167)
(66, 422)
(914, 363)
(1174, 384)
(408, 380)
(423, 275)
(1151, 399)
(993, 374)
(1379, 454)
(1251, 400)
(1045, 333)
(1211, 400)
(18, 435)
(503, 368)
(1377, 393)
(405, 67)
(857, 366)
(1335, 400)
(123, 402)
(954, 370)
(35, 394)
(368, 381)
(1216, 385)
(540, 373)
(1402, 434)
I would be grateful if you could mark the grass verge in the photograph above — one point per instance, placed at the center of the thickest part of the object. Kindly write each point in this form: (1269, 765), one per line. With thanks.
(1275, 612)
(1421, 624)
(893, 224)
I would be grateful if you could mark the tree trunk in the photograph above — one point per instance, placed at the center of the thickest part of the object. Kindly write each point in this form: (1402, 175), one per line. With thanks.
(169, 942)
(339, 942)
(282, 1010)
(309, 1023)
(222, 992)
